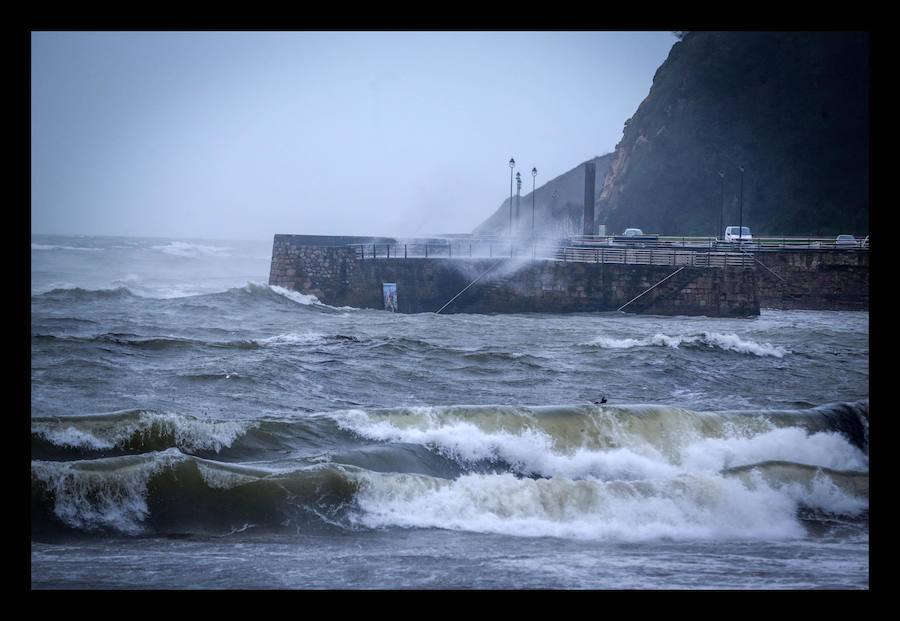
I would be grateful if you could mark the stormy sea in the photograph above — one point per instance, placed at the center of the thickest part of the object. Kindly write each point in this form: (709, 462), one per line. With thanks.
(194, 428)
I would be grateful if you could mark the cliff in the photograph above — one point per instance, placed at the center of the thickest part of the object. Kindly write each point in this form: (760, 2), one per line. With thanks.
(792, 108)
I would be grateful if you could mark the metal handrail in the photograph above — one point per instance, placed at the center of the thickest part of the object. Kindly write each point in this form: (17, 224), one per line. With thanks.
(546, 252)
(783, 281)
(651, 288)
(480, 276)
(599, 249)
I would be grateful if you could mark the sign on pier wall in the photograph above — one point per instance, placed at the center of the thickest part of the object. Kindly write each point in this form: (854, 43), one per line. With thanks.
(389, 290)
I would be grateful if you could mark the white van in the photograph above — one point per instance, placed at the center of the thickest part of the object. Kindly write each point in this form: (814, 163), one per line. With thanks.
(732, 234)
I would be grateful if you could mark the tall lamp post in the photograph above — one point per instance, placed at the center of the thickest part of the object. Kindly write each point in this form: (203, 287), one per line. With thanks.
(533, 181)
(512, 164)
(741, 219)
(518, 196)
(722, 205)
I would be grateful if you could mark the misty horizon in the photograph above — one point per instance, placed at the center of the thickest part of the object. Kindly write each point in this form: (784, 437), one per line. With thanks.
(240, 136)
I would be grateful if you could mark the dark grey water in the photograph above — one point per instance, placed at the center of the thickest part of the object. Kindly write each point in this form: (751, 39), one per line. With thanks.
(195, 428)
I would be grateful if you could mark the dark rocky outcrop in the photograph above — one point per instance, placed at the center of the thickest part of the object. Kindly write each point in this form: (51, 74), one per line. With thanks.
(793, 108)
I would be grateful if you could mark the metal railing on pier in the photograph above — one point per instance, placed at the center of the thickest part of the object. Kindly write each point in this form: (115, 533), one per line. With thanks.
(711, 243)
(654, 256)
(601, 249)
(580, 253)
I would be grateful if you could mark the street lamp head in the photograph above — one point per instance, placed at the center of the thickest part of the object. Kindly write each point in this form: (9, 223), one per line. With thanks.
(741, 167)
(512, 162)
(722, 173)
(534, 172)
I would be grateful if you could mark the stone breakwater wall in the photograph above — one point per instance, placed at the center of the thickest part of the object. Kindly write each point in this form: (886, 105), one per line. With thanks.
(338, 276)
(814, 279)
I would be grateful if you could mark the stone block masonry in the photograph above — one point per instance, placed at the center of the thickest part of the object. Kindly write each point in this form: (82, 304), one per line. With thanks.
(814, 279)
(338, 276)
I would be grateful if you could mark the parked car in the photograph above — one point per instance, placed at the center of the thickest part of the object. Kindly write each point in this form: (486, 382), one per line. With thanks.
(846, 241)
(737, 233)
(636, 238)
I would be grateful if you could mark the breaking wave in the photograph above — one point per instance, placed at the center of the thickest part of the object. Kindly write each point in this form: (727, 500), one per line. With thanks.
(192, 251)
(693, 506)
(169, 491)
(624, 473)
(76, 294)
(136, 430)
(52, 247)
(714, 340)
(299, 298)
(248, 293)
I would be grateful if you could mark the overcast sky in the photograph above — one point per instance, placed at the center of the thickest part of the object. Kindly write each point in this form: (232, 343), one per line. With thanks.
(244, 135)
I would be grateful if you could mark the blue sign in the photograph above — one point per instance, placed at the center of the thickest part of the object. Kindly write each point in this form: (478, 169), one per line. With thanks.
(390, 296)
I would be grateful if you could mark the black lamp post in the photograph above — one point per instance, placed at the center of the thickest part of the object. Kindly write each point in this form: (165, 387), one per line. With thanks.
(518, 196)
(741, 219)
(512, 164)
(722, 205)
(533, 181)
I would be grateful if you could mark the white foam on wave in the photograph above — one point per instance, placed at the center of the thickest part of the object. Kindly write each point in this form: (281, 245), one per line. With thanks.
(70, 437)
(726, 342)
(189, 434)
(687, 507)
(628, 491)
(52, 247)
(611, 343)
(529, 450)
(192, 251)
(89, 496)
(165, 291)
(790, 444)
(733, 342)
(293, 338)
(823, 494)
(294, 296)
(53, 286)
(627, 455)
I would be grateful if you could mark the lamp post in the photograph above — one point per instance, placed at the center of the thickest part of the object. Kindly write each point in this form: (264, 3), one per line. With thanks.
(518, 196)
(722, 206)
(512, 164)
(741, 219)
(533, 181)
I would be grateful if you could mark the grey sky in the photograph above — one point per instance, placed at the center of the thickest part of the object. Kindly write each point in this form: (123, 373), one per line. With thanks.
(243, 135)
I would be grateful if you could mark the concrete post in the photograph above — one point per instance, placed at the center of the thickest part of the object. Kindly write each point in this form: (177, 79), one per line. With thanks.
(590, 175)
